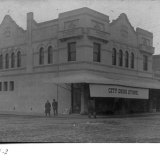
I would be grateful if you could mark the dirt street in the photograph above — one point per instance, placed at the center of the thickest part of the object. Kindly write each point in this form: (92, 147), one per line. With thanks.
(140, 128)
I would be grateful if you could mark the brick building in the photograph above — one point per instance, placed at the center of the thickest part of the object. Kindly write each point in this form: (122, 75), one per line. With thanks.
(79, 55)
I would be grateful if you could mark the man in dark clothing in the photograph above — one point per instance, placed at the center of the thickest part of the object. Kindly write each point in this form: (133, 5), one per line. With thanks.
(55, 107)
(91, 108)
(47, 108)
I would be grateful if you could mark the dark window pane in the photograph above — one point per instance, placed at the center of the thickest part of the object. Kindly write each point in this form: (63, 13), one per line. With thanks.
(120, 58)
(114, 57)
(145, 62)
(132, 60)
(7, 61)
(126, 59)
(18, 59)
(50, 55)
(12, 60)
(11, 87)
(96, 52)
(0, 86)
(5, 86)
(72, 51)
(1, 61)
(41, 56)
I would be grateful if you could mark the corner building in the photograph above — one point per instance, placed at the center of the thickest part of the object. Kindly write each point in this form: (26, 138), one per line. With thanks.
(79, 55)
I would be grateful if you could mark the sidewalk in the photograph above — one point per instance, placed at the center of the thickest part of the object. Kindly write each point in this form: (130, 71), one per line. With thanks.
(78, 116)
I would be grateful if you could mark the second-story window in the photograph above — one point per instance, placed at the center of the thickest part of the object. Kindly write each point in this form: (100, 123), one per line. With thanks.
(126, 59)
(145, 63)
(0, 86)
(12, 60)
(11, 85)
(41, 56)
(96, 52)
(72, 51)
(120, 58)
(19, 59)
(1, 61)
(146, 42)
(132, 60)
(50, 55)
(7, 61)
(5, 86)
(114, 56)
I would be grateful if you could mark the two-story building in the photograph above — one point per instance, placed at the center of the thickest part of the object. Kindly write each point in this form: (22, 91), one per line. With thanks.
(79, 55)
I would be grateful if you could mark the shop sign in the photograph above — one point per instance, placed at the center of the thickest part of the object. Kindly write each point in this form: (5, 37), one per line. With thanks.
(118, 91)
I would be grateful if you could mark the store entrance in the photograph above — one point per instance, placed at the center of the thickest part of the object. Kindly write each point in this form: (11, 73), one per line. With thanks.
(76, 98)
(121, 105)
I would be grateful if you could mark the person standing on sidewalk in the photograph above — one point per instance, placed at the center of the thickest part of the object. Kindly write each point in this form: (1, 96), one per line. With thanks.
(47, 108)
(55, 107)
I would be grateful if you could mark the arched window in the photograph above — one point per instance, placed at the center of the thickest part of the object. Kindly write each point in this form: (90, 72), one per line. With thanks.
(114, 57)
(50, 55)
(12, 60)
(120, 58)
(18, 59)
(126, 59)
(7, 61)
(132, 60)
(1, 61)
(41, 56)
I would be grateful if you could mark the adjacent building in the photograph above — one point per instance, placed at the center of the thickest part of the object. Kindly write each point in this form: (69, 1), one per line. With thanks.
(78, 56)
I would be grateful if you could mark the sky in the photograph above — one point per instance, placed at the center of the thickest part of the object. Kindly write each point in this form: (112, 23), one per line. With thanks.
(141, 13)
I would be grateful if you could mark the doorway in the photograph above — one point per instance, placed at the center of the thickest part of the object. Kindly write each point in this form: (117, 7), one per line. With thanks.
(76, 98)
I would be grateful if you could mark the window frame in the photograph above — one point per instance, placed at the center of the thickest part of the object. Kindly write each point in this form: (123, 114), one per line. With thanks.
(5, 86)
(12, 60)
(11, 85)
(145, 62)
(41, 56)
(126, 59)
(97, 53)
(1, 86)
(7, 61)
(132, 60)
(71, 54)
(19, 58)
(1, 61)
(120, 58)
(50, 55)
(114, 56)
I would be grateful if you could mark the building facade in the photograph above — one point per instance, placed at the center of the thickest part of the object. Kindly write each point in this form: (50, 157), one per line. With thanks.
(79, 55)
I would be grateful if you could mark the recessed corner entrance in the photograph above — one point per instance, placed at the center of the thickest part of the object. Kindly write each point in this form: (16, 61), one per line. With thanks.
(76, 98)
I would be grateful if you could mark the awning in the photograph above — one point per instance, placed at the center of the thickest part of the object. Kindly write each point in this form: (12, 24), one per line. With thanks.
(96, 79)
(107, 90)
